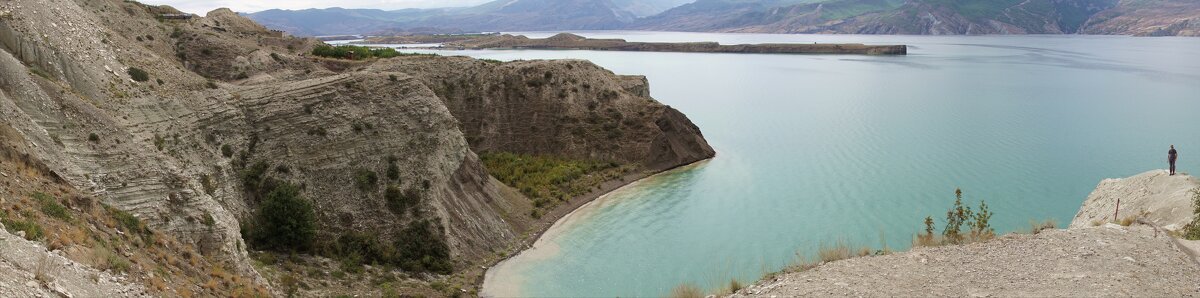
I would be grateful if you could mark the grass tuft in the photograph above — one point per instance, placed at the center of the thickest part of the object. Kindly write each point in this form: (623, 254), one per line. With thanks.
(687, 291)
(1036, 227)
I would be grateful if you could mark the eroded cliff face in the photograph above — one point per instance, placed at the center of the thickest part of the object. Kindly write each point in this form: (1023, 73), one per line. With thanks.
(569, 108)
(222, 95)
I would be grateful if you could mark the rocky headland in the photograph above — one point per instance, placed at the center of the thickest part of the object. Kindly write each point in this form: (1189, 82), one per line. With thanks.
(1098, 255)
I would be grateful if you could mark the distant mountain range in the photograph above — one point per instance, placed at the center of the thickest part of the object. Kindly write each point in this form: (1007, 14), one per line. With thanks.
(500, 15)
(935, 17)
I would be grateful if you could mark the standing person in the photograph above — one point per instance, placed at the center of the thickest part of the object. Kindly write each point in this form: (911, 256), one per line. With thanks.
(1171, 157)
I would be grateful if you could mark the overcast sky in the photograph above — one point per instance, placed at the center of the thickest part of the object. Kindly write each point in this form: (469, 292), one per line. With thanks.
(201, 7)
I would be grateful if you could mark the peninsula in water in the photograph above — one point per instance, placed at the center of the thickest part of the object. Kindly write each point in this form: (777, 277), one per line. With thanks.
(567, 41)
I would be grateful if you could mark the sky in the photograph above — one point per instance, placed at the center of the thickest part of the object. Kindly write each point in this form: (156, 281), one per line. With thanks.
(201, 7)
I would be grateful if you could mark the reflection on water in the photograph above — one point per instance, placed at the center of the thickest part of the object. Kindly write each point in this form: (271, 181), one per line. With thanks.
(820, 148)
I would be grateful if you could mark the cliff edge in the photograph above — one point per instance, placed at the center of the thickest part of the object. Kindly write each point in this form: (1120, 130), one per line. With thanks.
(1154, 197)
(1094, 257)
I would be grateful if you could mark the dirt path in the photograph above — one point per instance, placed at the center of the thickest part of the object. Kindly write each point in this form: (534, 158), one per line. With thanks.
(1108, 260)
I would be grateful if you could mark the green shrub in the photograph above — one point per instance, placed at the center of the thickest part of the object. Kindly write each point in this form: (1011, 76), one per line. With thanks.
(93, 137)
(208, 220)
(400, 201)
(227, 150)
(285, 221)
(357, 248)
(393, 170)
(977, 223)
(51, 207)
(422, 247)
(955, 218)
(207, 183)
(138, 74)
(253, 178)
(366, 180)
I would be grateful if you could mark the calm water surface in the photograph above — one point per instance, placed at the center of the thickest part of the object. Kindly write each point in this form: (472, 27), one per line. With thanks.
(820, 148)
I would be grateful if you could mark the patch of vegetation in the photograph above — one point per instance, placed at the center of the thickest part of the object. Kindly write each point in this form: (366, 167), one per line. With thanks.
(51, 207)
(129, 223)
(93, 137)
(687, 291)
(353, 52)
(547, 179)
(284, 221)
(227, 151)
(33, 231)
(401, 201)
(253, 178)
(393, 170)
(1036, 227)
(207, 183)
(159, 142)
(138, 74)
(422, 247)
(38, 71)
(208, 220)
(1192, 230)
(977, 223)
(366, 180)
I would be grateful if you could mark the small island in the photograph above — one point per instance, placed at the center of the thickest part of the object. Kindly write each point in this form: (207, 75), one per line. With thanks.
(567, 41)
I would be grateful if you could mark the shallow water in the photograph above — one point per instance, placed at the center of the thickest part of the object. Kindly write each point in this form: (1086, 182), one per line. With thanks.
(820, 148)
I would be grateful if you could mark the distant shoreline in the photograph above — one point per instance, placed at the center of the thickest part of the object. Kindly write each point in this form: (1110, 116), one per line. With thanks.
(568, 41)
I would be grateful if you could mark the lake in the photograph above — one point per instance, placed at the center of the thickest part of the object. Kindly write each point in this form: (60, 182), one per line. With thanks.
(817, 149)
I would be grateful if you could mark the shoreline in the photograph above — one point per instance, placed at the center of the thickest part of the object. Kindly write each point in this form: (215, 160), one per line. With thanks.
(565, 211)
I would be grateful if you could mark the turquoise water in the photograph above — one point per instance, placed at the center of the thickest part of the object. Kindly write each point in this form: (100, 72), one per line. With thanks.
(819, 148)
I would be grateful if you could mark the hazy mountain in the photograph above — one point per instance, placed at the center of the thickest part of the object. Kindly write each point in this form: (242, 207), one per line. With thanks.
(1132, 17)
(500, 15)
(1138, 17)
(645, 8)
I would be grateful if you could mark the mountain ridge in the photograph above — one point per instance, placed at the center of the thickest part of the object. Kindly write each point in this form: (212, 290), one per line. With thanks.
(923, 17)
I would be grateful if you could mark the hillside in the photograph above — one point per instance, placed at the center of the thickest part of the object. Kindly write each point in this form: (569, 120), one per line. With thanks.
(195, 127)
(933, 17)
(500, 15)
(925, 17)
(1094, 257)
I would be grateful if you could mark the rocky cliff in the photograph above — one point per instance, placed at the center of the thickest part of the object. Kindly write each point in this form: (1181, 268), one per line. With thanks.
(180, 121)
(1153, 197)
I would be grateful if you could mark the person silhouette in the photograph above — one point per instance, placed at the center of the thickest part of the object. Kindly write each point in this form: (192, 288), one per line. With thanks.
(1171, 157)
